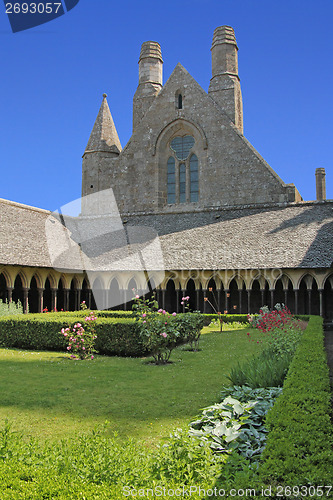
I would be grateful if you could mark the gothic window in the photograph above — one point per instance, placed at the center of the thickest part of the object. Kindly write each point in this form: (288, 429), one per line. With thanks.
(182, 171)
(171, 180)
(182, 183)
(194, 179)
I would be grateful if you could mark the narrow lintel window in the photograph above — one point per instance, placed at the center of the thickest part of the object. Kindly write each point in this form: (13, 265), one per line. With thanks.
(194, 179)
(180, 101)
(182, 183)
(171, 180)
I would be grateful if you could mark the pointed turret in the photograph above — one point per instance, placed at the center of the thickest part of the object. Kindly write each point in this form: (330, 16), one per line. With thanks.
(99, 158)
(104, 136)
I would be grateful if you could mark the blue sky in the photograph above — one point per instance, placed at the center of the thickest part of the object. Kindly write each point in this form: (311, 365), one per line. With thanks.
(53, 77)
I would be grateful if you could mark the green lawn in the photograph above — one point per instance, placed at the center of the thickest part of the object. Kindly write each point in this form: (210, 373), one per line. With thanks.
(47, 395)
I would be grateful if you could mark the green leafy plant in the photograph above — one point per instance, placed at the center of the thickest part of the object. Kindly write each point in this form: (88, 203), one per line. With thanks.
(265, 370)
(157, 328)
(10, 308)
(300, 439)
(237, 423)
(161, 331)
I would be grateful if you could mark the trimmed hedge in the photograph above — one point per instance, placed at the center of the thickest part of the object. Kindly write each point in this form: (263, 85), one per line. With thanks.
(300, 439)
(115, 335)
(227, 318)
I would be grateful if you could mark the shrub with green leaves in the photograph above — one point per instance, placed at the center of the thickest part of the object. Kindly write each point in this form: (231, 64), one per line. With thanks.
(237, 423)
(10, 308)
(115, 336)
(300, 439)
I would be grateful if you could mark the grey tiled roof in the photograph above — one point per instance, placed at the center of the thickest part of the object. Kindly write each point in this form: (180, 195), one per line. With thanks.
(293, 236)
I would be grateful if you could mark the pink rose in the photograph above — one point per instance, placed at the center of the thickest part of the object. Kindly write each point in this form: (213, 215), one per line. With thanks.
(174, 314)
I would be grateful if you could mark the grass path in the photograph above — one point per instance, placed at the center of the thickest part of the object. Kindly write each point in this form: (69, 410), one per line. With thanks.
(46, 395)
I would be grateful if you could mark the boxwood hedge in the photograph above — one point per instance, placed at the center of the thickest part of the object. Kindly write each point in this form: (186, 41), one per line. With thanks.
(115, 335)
(300, 439)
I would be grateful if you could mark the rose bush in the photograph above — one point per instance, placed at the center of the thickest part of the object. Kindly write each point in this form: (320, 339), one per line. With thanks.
(81, 339)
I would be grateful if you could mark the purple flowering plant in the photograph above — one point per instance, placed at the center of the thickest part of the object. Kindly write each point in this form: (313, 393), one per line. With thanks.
(81, 337)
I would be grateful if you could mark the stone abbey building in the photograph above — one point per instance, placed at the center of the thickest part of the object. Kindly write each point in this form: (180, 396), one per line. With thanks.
(189, 207)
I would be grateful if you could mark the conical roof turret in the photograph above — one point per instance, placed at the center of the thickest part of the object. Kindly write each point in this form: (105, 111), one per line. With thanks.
(104, 136)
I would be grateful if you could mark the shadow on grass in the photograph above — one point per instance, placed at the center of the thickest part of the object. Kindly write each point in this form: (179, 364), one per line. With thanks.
(122, 388)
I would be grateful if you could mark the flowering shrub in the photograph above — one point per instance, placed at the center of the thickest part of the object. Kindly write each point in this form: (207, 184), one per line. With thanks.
(157, 328)
(281, 326)
(81, 339)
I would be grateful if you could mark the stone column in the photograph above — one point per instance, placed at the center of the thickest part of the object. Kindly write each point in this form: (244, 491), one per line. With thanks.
(183, 295)
(309, 300)
(248, 291)
(25, 300)
(77, 299)
(53, 299)
(10, 293)
(272, 297)
(40, 299)
(163, 297)
(262, 292)
(177, 299)
(124, 294)
(296, 301)
(240, 301)
(197, 299)
(321, 311)
(66, 299)
(286, 297)
(205, 301)
(226, 299)
(219, 300)
(89, 298)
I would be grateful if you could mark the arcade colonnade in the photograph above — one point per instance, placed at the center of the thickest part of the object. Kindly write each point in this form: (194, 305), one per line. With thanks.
(304, 291)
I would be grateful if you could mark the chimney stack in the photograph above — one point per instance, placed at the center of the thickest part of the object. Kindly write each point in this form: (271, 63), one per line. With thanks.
(150, 80)
(224, 86)
(320, 184)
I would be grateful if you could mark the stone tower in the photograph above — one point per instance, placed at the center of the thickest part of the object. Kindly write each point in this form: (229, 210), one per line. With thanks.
(101, 153)
(150, 80)
(224, 86)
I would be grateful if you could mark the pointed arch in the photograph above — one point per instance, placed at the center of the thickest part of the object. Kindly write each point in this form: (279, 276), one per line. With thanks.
(115, 300)
(60, 295)
(18, 294)
(171, 296)
(47, 296)
(328, 298)
(33, 296)
(72, 303)
(192, 293)
(98, 294)
(86, 293)
(3, 288)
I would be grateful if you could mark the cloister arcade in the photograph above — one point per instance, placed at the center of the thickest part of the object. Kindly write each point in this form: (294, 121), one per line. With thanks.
(303, 291)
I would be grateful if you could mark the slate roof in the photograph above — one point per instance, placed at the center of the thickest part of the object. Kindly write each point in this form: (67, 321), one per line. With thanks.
(293, 236)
